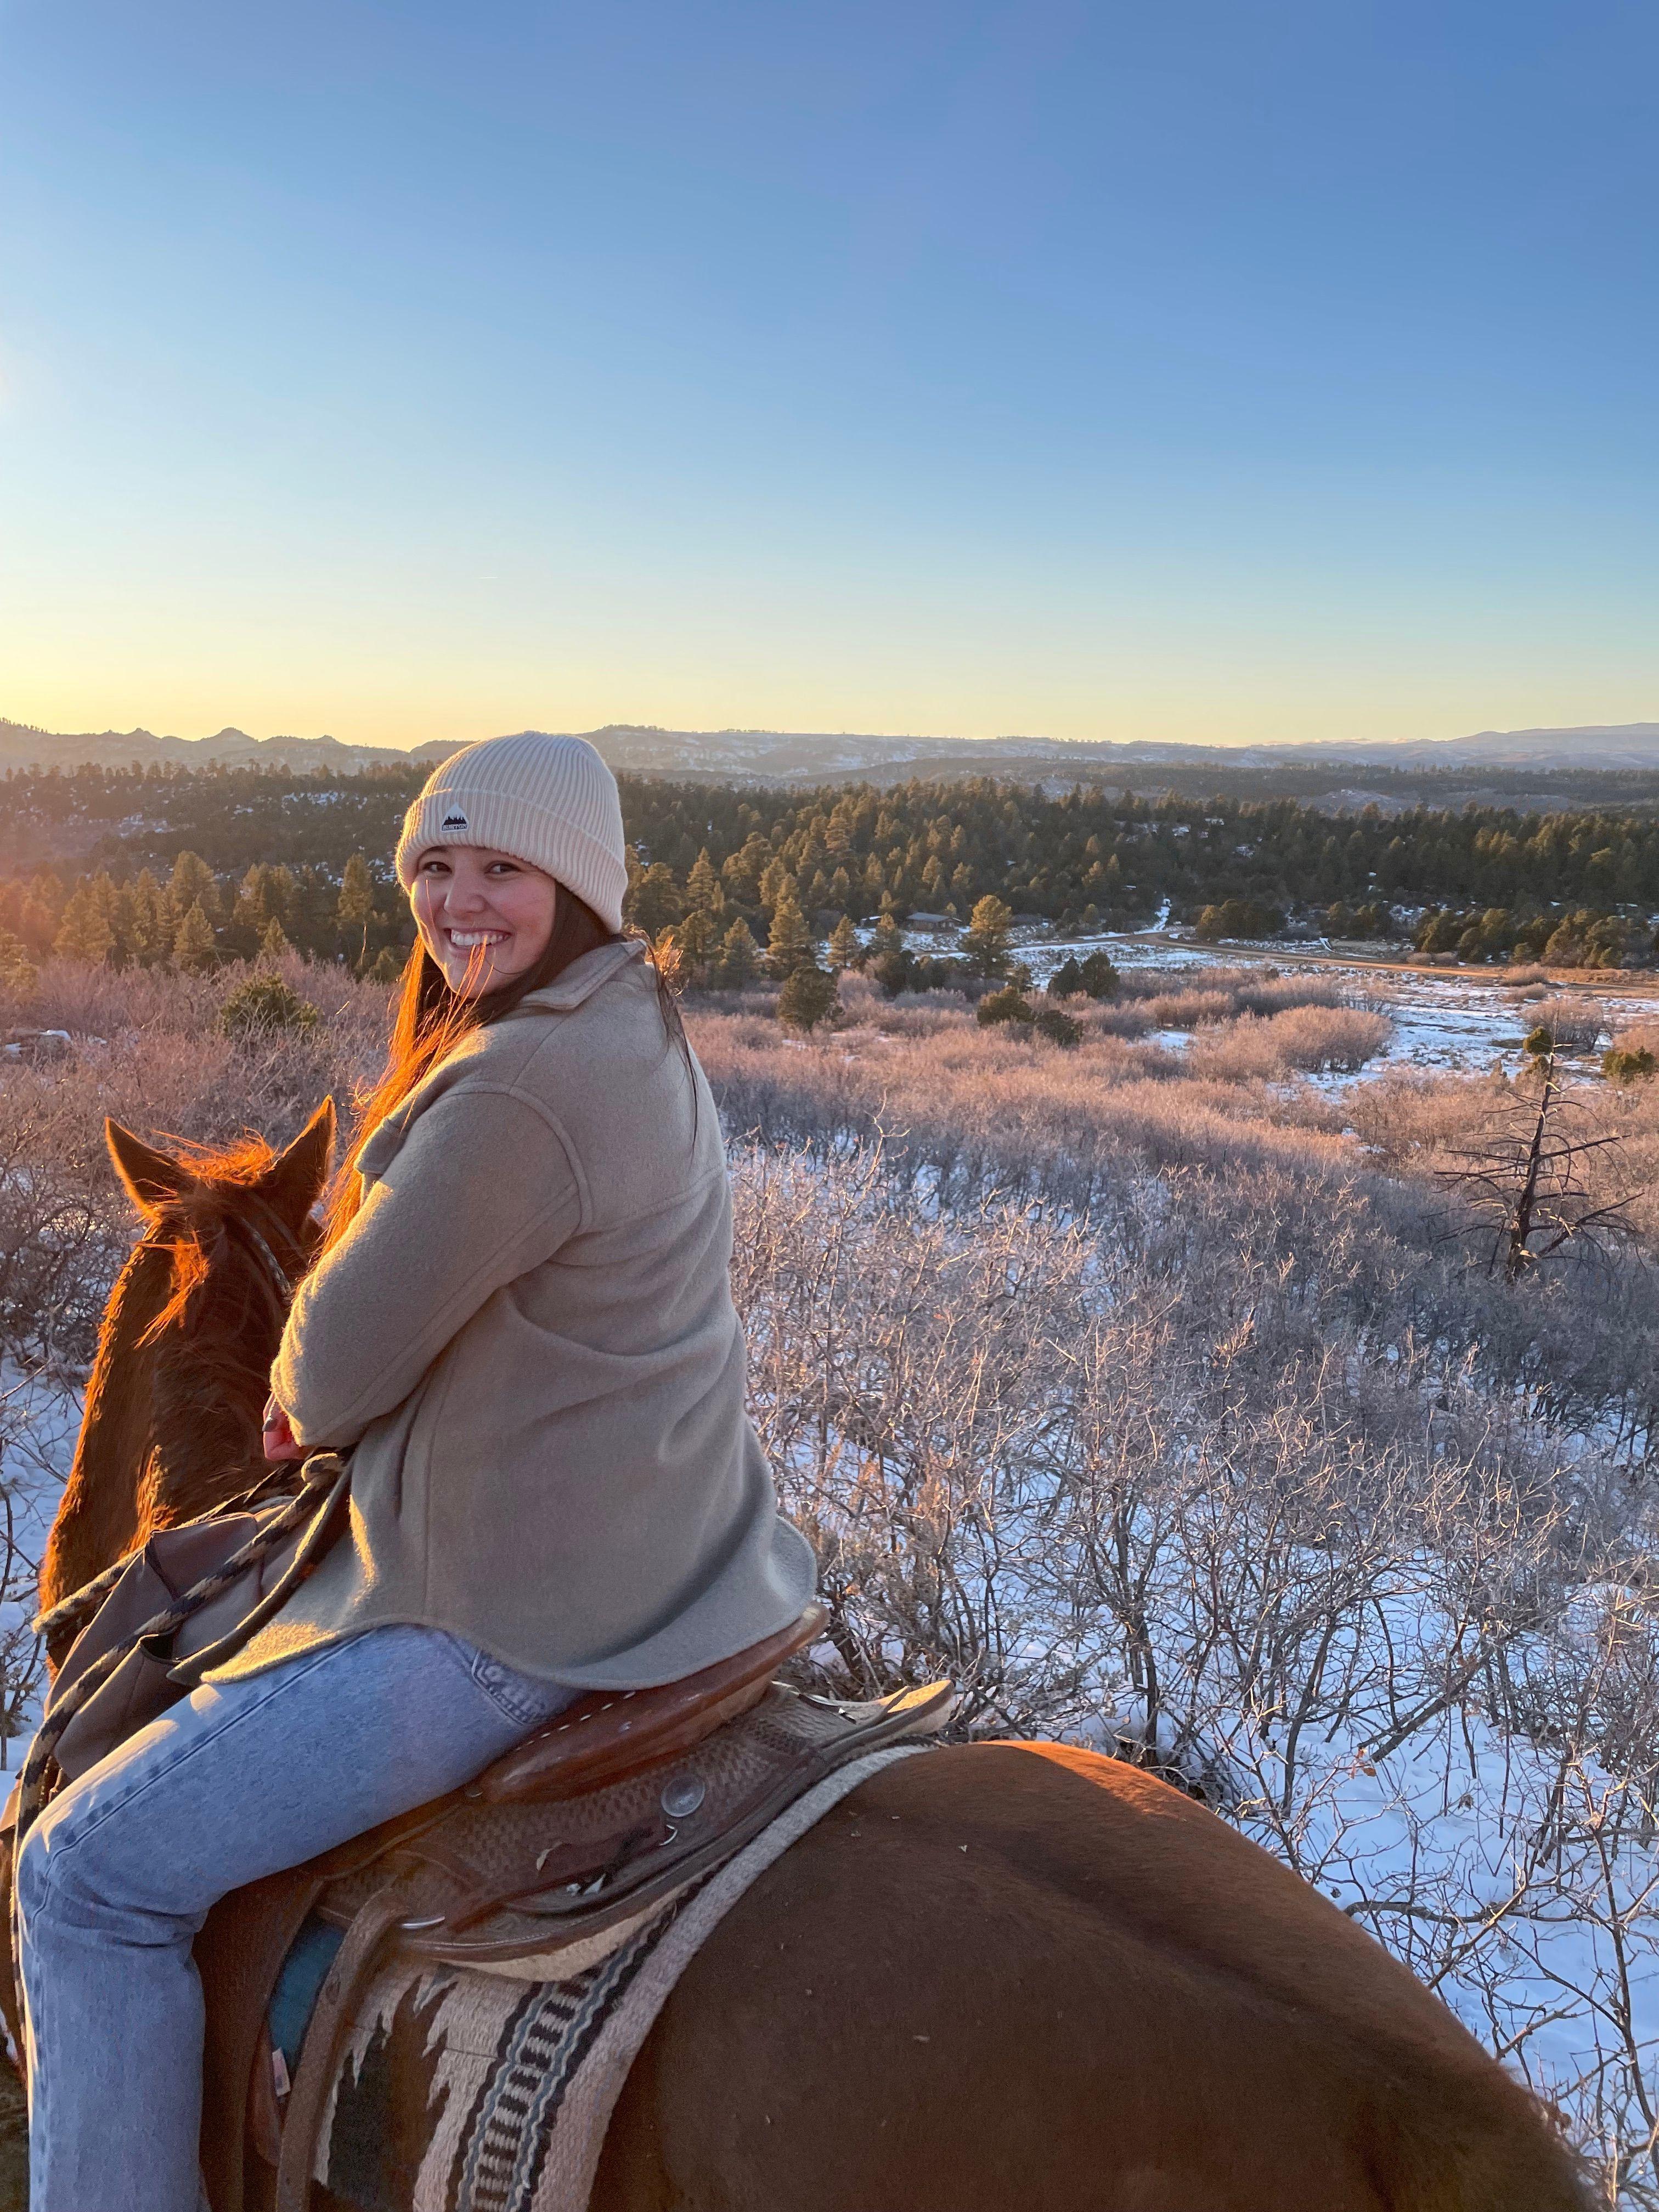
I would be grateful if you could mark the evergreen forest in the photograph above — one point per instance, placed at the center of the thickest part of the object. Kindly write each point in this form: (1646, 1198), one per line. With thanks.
(160, 865)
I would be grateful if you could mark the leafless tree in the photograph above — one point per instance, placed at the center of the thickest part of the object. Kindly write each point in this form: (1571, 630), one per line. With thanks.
(1527, 1178)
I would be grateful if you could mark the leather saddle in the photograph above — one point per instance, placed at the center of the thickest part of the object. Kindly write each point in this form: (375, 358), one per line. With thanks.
(584, 1828)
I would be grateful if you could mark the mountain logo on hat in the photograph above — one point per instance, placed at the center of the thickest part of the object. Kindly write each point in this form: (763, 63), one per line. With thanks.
(454, 821)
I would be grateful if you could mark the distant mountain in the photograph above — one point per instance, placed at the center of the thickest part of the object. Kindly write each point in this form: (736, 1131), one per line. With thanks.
(22, 745)
(773, 756)
(810, 756)
(1594, 746)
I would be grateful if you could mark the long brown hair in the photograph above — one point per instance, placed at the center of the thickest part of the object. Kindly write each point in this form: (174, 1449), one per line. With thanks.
(430, 1020)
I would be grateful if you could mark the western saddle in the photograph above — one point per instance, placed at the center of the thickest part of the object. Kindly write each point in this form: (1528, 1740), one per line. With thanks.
(591, 1821)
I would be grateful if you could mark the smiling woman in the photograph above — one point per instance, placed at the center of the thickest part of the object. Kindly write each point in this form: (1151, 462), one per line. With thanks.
(512, 856)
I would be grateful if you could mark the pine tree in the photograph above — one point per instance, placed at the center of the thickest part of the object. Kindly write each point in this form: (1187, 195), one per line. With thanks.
(693, 939)
(887, 939)
(808, 997)
(121, 913)
(703, 894)
(356, 901)
(193, 880)
(84, 934)
(154, 921)
(985, 948)
(887, 957)
(845, 950)
(654, 903)
(789, 942)
(355, 907)
(193, 946)
(268, 894)
(17, 971)
(1098, 975)
(262, 1006)
(273, 944)
(776, 883)
(739, 960)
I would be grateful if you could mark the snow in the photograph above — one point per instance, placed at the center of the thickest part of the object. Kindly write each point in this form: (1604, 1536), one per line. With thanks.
(1455, 1823)
(1447, 1021)
(39, 1421)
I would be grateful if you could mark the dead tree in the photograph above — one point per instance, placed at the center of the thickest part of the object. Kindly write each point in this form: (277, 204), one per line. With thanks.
(1526, 1178)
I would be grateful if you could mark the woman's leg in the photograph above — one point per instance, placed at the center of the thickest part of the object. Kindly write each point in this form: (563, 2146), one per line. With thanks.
(120, 1871)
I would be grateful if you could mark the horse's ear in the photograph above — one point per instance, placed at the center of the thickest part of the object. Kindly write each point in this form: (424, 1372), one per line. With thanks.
(150, 1177)
(293, 1181)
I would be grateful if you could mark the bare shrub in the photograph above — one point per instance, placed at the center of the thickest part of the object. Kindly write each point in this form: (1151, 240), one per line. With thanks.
(1310, 1039)
(1189, 999)
(1135, 1483)
(1576, 1025)
(975, 1108)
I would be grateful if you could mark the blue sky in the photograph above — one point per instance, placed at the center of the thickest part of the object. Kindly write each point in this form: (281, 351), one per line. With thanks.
(1223, 372)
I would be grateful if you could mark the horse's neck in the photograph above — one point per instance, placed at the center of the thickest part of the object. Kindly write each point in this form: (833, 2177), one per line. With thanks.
(207, 1401)
(98, 1517)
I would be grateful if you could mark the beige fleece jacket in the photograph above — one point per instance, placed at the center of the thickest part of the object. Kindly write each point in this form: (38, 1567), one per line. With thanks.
(526, 1339)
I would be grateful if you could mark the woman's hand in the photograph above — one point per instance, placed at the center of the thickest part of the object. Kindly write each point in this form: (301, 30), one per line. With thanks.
(279, 1439)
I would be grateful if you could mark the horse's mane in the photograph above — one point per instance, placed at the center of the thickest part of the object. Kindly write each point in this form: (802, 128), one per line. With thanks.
(192, 1227)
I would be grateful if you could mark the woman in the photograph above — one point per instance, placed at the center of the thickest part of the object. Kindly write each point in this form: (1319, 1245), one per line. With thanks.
(521, 1327)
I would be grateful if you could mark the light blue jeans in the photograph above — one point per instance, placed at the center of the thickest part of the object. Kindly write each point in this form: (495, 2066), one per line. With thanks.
(118, 1873)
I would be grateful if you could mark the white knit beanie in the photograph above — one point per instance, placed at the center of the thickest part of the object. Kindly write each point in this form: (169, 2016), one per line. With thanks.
(552, 801)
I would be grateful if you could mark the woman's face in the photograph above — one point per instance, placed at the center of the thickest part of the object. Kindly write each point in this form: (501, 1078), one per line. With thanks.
(483, 916)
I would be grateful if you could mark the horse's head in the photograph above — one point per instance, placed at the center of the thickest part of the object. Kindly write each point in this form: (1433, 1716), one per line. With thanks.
(171, 1421)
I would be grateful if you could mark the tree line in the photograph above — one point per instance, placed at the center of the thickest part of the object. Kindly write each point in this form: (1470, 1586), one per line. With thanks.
(114, 864)
(188, 917)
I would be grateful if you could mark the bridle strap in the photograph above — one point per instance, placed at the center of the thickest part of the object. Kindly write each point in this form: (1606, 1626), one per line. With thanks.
(281, 1281)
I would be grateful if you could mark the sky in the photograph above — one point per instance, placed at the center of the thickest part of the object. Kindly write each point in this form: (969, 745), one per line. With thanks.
(1227, 370)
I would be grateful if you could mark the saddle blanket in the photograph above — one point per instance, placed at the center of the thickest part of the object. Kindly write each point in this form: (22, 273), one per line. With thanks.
(465, 2090)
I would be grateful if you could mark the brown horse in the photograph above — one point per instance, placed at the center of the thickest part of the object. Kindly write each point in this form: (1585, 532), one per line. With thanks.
(997, 1976)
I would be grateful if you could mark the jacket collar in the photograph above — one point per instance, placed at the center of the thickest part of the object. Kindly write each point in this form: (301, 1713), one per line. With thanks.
(582, 978)
(578, 984)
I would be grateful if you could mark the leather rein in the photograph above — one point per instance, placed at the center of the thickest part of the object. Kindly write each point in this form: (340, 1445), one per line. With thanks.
(282, 1282)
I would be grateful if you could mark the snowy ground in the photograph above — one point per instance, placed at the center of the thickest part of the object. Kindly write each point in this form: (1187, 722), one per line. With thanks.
(1544, 1943)
(39, 1420)
(1447, 1020)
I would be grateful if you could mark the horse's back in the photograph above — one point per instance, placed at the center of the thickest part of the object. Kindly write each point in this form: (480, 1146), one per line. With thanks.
(1006, 1976)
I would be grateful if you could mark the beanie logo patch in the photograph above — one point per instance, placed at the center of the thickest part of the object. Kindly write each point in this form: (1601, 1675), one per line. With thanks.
(454, 821)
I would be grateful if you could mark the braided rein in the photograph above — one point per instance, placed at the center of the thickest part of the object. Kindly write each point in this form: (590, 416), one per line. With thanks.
(35, 1785)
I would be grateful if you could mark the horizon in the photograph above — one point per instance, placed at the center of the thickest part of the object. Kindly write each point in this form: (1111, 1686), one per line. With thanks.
(1207, 380)
(1643, 725)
